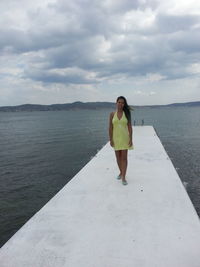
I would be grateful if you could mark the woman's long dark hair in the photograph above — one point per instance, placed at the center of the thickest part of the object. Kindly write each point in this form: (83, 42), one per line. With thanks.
(126, 108)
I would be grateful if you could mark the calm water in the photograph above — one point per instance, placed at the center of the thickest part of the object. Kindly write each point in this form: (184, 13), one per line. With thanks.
(41, 151)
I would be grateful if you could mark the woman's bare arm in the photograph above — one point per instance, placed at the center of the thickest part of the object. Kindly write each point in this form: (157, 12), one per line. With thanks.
(130, 130)
(111, 129)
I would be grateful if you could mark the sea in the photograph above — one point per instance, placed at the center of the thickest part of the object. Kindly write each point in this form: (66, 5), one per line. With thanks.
(41, 151)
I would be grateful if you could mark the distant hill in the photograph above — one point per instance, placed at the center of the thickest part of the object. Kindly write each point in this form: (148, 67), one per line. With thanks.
(57, 107)
(186, 104)
(82, 105)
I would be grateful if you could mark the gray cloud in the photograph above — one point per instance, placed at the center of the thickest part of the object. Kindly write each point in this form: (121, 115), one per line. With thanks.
(60, 76)
(187, 42)
(173, 23)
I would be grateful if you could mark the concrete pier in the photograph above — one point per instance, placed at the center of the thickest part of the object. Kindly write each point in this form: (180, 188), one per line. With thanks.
(95, 221)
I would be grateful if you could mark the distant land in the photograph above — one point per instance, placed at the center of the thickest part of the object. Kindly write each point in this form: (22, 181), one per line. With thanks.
(84, 105)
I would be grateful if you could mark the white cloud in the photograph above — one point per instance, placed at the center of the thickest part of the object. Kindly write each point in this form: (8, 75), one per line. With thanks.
(194, 68)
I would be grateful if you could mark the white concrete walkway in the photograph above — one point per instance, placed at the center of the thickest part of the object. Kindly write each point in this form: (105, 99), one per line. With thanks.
(95, 221)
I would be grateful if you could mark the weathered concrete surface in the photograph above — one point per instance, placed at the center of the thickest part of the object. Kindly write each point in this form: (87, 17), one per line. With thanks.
(95, 221)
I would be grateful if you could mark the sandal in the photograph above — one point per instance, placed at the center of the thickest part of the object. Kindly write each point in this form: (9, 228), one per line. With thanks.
(124, 182)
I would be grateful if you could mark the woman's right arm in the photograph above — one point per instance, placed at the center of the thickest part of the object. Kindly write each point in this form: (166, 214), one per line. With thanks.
(111, 129)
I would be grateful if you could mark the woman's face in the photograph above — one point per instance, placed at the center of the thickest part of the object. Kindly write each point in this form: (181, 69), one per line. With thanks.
(120, 103)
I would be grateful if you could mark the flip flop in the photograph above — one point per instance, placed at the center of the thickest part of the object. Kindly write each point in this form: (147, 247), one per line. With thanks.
(118, 177)
(124, 182)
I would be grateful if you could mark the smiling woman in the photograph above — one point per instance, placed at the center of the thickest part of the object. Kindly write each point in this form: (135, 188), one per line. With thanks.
(120, 132)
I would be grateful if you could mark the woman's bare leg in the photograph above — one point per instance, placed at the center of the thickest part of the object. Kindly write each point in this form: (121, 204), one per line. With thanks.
(118, 157)
(124, 163)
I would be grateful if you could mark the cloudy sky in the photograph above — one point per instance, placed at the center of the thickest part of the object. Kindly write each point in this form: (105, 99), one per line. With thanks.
(61, 51)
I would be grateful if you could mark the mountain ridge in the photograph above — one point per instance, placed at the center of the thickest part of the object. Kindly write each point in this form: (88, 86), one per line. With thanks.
(84, 105)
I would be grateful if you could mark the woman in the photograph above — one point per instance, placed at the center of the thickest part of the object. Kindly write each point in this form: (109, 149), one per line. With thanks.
(120, 132)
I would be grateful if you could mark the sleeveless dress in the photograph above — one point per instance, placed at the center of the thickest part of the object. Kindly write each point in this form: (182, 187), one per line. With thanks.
(120, 133)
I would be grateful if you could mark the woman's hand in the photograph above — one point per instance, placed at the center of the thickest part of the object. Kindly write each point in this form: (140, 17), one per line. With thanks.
(130, 143)
(112, 143)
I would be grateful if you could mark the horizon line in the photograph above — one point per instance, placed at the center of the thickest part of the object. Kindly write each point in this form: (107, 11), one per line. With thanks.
(144, 105)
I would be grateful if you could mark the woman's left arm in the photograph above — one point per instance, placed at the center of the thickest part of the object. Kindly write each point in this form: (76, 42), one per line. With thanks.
(130, 130)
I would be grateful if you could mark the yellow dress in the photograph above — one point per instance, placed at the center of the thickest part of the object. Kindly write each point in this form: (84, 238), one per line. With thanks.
(120, 133)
